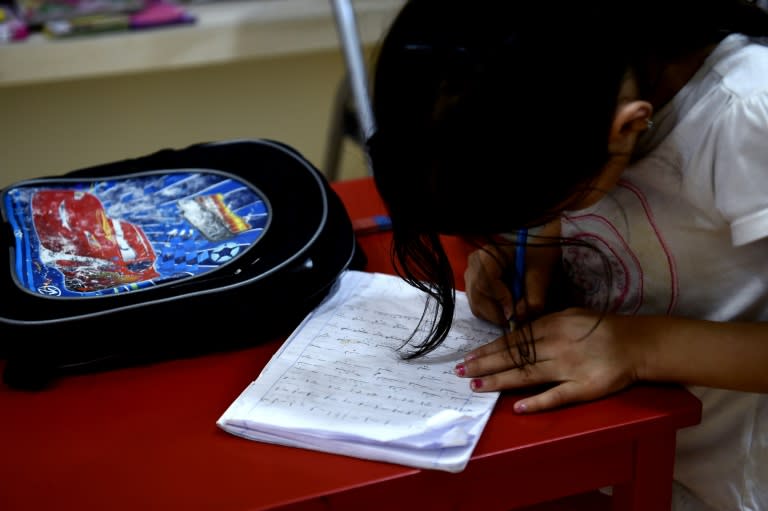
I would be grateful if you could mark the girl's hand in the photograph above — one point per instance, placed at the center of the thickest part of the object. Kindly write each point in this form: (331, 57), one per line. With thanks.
(585, 355)
(490, 297)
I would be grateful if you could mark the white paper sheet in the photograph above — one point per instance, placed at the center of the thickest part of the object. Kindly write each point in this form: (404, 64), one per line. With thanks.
(338, 384)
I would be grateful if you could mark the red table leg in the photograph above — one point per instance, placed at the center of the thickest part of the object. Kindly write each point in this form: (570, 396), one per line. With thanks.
(654, 466)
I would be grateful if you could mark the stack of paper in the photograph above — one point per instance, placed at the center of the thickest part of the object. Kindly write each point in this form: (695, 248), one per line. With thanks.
(338, 384)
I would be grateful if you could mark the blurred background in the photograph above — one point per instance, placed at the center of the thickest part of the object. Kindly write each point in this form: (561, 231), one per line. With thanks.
(101, 89)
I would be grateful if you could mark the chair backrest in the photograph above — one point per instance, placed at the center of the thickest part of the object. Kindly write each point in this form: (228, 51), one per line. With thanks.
(349, 37)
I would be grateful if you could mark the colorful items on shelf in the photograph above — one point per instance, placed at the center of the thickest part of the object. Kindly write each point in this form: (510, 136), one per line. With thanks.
(154, 14)
(37, 12)
(66, 18)
(11, 27)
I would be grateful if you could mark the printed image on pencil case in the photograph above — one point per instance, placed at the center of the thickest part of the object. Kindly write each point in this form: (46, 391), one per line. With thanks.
(121, 235)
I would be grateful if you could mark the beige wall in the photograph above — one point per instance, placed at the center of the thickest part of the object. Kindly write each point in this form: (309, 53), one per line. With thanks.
(50, 128)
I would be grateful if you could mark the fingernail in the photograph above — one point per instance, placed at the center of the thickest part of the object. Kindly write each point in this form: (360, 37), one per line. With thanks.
(476, 384)
(521, 407)
(469, 356)
(460, 370)
(508, 311)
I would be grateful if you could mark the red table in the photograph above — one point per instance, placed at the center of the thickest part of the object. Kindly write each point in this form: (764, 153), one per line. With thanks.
(145, 438)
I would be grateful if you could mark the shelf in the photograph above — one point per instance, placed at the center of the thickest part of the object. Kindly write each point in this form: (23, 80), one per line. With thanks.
(226, 31)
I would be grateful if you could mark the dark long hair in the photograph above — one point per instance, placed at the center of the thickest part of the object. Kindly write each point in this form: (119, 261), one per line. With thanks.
(494, 115)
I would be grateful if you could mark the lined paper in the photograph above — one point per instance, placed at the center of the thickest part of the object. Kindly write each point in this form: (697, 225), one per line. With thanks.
(339, 384)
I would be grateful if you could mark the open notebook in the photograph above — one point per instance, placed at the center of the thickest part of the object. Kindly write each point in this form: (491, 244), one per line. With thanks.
(339, 385)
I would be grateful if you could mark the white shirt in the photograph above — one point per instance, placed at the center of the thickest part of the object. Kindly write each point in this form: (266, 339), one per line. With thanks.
(686, 232)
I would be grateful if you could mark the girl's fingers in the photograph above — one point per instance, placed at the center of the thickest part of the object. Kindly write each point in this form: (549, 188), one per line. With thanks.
(488, 296)
(529, 376)
(492, 302)
(501, 355)
(506, 348)
(555, 397)
(500, 364)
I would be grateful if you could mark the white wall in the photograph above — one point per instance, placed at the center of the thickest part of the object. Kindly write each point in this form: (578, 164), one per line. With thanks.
(53, 127)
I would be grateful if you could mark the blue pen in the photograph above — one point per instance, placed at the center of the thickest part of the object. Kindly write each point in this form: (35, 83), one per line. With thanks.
(517, 288)
(519, 275)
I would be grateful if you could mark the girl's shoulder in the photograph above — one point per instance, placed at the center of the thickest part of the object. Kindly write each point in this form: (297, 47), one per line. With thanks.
(742, 64)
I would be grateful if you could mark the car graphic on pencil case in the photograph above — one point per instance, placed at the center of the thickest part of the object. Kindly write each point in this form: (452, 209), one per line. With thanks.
(90, 249)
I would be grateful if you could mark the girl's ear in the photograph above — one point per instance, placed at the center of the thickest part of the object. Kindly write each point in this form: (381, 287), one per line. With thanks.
(631, 119)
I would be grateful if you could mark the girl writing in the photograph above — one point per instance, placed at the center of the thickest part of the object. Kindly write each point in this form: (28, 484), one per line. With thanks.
(630, 138)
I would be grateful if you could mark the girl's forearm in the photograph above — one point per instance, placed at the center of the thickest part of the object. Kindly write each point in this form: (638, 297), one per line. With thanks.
(731, 355)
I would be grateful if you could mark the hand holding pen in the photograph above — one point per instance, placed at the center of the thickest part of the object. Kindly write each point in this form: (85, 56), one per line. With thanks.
(494, 279)
(496, 288)
(517, 277)
(525, 346)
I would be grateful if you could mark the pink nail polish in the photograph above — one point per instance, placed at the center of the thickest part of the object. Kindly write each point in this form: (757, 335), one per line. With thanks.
(469, 356)
(520, 407)
(460, 369)
(476, 384)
